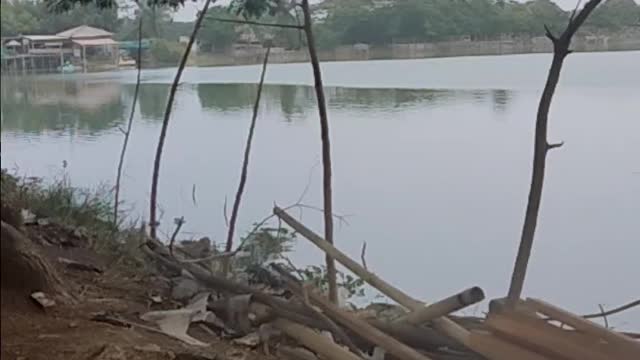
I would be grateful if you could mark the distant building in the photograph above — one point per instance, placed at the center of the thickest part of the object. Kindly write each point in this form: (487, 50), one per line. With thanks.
(83, 46)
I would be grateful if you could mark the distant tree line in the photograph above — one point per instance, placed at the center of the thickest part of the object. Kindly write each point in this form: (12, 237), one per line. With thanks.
(341, 22)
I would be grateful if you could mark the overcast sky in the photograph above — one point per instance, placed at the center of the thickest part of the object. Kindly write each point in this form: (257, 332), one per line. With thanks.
(188, 12)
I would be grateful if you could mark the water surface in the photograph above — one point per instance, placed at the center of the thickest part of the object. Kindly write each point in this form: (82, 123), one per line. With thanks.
(432, 161)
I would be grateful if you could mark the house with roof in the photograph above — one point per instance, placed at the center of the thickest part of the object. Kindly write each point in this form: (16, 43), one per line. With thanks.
(84, 47)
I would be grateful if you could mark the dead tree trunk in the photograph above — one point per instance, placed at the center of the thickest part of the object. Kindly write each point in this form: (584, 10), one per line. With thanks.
(153, 221)
(326, 149)
(542, 146)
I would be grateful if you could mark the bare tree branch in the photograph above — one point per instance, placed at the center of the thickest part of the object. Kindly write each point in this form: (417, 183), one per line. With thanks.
(127, 133)
(326, 148)
(614, 310)
(556, 145)
(560, 51)
(363, 254)
(247, 153)
(167, 116)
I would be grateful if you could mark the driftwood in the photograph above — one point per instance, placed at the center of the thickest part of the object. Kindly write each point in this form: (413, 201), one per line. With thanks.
(355, 324)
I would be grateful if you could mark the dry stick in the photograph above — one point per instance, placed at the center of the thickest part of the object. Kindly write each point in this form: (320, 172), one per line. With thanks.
(127, 133)
(613, 311)
(542, 146)
(604, 316)
(179, 223)
(245, 164)
(326, 149)
(153, 224)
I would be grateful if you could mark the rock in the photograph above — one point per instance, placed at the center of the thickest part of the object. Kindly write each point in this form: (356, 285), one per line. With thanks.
(184, 289)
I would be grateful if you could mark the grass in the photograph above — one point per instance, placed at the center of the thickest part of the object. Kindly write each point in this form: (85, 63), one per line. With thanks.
(88, 209)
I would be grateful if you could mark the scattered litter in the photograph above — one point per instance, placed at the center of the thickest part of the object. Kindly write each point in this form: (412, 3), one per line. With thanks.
(42, 299)
(73, 325)
(28, 218)
(156, 299)
(174, 323)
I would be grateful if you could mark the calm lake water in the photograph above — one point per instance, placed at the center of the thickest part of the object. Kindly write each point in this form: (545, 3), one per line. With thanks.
(432, 161)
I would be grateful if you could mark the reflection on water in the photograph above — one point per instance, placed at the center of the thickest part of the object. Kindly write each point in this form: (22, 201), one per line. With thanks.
(89, 107)
(61, 105)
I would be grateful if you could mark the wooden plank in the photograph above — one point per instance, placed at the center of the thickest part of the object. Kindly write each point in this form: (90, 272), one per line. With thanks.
(496, 348)
(541, 337)
(624, 342)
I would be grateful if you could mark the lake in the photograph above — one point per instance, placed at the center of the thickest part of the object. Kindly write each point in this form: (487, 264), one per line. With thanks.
(432, 162)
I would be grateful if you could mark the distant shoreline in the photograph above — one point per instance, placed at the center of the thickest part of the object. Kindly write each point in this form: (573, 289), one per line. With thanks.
(250, 55)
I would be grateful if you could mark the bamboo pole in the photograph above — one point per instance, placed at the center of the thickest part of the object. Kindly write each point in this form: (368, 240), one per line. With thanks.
(352, 322)
(314, 341)
(445, 306)
(481, 344)
(445, 325)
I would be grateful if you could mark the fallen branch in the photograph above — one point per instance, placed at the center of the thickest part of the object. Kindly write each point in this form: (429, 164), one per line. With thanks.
(245, 162)
(541, 147)
(127, 133)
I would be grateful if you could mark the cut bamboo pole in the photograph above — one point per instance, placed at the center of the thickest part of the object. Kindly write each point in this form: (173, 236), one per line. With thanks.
(444, 307)
(445, 325)
(544, 338)
(480, 344)
(493, 347)
(318, 343)
(352, 322)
